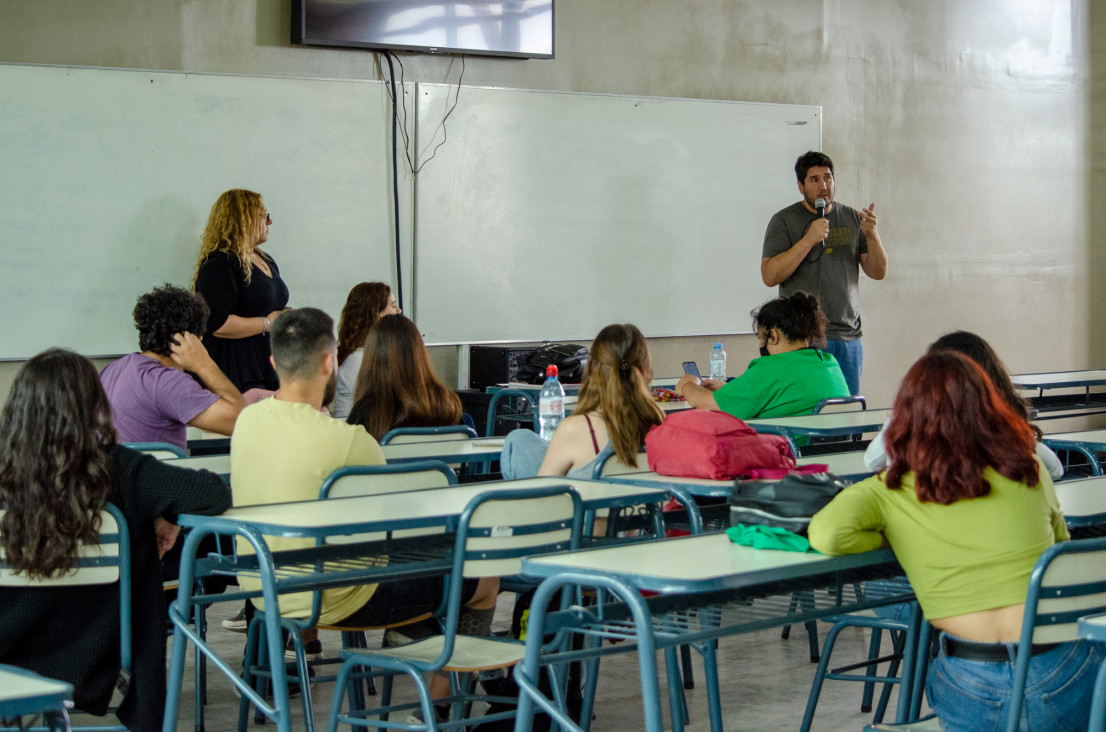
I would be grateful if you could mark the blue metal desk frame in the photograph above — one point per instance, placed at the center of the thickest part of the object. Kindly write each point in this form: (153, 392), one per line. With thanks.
(306, 569)
(661, 622)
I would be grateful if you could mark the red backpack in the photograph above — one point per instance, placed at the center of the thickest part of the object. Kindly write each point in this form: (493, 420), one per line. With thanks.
(696, 443)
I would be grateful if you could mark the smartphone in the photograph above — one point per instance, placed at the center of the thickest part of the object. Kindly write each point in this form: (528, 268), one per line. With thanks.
(691, 369)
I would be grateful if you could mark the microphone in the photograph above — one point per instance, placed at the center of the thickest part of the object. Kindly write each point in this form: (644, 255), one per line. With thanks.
(820, 207)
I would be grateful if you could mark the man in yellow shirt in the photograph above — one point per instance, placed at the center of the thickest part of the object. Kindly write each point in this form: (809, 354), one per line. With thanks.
(283, 449)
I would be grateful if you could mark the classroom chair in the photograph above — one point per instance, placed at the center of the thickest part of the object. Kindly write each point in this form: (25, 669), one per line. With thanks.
(403, 435)
(1068, 582)
(524, 397)
(352, 480)
(106, 563)
(1078, 459)
(903, 634)
(497, 529)
(160, 450)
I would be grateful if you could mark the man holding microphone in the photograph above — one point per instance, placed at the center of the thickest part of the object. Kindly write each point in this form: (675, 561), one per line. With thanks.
(818, 246)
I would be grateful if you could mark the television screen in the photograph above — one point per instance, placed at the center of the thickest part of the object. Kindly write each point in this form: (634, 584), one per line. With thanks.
(522, 28)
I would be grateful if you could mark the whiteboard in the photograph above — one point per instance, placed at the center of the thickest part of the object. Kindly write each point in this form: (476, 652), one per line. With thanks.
(547, 215)
(109, 176)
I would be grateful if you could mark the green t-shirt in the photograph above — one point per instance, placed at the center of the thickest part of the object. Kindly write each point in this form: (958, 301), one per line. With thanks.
(783, 385)
(972, 555)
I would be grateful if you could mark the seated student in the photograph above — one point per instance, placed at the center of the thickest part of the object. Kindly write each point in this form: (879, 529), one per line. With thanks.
(790, 377)
(366, 303)
(968, 510)
(282, 450)
(980, 351)
(614, 407)
(59, 464)
(152, 397)
(397, 386)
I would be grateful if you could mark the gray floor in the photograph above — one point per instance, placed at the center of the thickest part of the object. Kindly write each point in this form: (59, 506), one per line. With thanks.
(764, 684)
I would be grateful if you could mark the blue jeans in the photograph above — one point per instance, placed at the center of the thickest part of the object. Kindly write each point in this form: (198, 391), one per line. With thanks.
(850, 357)
(974, 696)
(523, 453)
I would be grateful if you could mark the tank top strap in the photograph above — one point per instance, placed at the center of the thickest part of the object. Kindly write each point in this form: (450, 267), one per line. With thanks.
(594, 442)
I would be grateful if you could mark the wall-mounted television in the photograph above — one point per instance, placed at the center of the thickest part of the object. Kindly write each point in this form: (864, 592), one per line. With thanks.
(518, 28)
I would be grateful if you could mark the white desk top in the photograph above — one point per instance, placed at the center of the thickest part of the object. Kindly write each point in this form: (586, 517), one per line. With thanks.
(1082, 497)
(845, 464)
(19, 685)
(447, 450)
(1060, 379)
(218, 464)
(409, 509)
(835, 423)
(697, 564)
(1089, 437)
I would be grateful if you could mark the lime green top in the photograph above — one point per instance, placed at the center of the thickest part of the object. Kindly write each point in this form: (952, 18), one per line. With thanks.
(784, 385)
(975, 554)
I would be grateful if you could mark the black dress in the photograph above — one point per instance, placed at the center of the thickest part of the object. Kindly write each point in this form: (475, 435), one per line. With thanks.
(222, 284)
(72, 633)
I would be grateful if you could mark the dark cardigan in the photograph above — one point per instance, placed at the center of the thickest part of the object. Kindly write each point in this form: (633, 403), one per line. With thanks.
(72, 633)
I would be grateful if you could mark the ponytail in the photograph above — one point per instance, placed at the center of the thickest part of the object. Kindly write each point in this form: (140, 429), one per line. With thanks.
(798, 317)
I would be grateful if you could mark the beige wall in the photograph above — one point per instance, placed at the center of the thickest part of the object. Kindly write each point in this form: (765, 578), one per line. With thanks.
(976, 126)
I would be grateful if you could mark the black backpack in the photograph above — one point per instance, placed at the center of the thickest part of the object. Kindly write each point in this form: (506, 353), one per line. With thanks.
(788, 503)
(569, 358)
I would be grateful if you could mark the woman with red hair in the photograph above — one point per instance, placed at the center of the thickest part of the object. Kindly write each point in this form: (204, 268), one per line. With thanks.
(968, 509)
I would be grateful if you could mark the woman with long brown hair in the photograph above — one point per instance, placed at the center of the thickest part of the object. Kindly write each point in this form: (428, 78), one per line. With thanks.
(614, 407)
(366, 303)
(59, 466)
(968, 509)
(397, 386)
(242, 287)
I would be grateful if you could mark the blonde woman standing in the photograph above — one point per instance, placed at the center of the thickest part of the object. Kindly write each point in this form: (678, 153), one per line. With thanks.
(242, 287)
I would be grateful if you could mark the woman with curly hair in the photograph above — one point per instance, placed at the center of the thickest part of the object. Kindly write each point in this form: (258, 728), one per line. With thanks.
(59, 466)
(968, 508)
(153, 393)
(366, 303)
(242, 287)
(397, 386)
(790, 377)
(614, 407)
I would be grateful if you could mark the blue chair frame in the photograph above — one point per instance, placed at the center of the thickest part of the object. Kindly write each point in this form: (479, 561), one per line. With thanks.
(156, 447)
(472, 544)
(464, 431)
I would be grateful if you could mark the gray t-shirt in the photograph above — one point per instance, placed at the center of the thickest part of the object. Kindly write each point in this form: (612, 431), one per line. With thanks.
(831, 271)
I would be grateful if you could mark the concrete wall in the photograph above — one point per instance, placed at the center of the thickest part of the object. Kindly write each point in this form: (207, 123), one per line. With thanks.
(976, 126)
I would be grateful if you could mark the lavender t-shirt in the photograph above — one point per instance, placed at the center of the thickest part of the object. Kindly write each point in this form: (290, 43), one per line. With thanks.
(151, 402)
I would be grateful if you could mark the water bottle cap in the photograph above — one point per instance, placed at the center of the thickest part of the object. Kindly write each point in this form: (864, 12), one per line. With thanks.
(551, 370)
(717, 345)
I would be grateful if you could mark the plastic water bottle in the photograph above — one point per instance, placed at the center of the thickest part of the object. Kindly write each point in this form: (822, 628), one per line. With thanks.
(718, 362)
(551, 404)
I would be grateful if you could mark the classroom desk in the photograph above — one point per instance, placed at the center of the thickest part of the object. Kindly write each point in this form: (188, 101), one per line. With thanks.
(531, 393)
(24, 692)
(835, 424)
(384, 516)
(1083, 501)
(1088, 443)
(1075, 393)
(449, 451)
(204, 442)
(707, 588)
